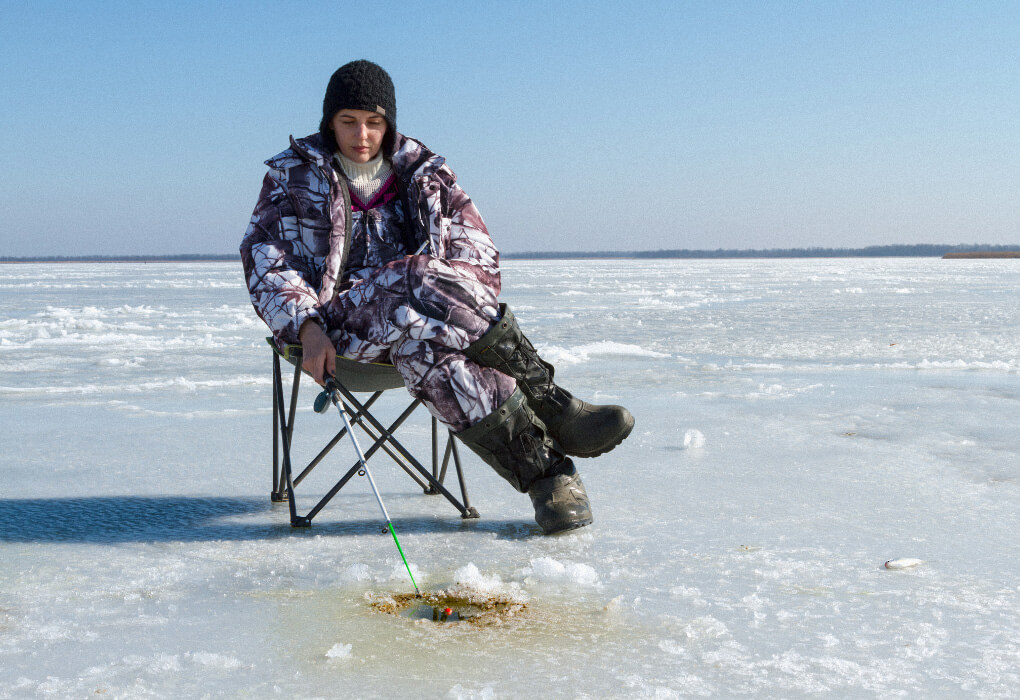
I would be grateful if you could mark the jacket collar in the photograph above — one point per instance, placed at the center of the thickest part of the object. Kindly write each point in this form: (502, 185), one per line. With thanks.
(410, 158)
(312, 149)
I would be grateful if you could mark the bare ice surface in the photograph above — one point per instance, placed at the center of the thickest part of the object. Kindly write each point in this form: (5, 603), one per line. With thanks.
(799, 424)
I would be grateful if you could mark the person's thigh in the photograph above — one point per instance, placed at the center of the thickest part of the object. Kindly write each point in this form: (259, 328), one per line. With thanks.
(456, 390)
(419, 298)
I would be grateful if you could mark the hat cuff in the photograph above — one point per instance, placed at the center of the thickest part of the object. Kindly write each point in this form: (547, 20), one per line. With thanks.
(377, 109)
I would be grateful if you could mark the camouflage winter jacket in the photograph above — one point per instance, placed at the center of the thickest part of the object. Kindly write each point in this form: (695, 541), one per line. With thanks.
(296, 245)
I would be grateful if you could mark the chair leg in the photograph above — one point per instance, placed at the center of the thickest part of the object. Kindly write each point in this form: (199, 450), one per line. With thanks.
(470, 510)
(435, 456)
(278, 494)
(432, 490)
(285, 433)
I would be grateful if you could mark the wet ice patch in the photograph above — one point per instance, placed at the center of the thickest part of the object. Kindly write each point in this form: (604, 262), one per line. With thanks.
(473, 598)
(459, 692)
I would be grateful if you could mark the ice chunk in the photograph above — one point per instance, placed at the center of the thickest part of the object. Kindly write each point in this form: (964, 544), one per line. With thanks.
(904, 563)
(471, 584)
(694, 439)
(215, 660)
(399, 572)
(469, 576)
(548, 569)
(705, 627)
(339, 651)
(614, 604)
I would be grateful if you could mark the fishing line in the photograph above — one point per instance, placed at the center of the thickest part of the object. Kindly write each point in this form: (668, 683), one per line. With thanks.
(331, 393)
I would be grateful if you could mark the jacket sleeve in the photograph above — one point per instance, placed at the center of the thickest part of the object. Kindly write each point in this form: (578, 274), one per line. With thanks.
(469, 247)
(280, 282)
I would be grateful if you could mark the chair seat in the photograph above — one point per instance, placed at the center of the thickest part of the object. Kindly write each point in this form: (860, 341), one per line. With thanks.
(356, 376)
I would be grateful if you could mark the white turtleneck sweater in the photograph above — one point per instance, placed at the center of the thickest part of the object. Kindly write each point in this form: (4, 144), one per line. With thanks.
(366, 179)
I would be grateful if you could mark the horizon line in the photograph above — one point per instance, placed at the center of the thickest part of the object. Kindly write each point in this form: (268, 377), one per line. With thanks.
(893, 250)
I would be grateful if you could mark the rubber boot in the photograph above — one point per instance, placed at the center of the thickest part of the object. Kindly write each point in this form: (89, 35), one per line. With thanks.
(560, 502)
(581, 429)
(513, 441)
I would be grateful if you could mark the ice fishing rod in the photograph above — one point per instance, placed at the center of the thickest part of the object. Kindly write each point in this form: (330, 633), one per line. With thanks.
(331, 394)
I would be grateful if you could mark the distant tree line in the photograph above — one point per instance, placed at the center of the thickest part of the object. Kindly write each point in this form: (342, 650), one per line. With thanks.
(920, 250)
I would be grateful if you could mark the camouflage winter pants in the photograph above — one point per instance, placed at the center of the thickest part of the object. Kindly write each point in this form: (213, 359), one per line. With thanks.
(420, 313)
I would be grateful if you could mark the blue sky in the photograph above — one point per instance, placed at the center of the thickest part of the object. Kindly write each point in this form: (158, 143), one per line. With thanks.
(141, 127)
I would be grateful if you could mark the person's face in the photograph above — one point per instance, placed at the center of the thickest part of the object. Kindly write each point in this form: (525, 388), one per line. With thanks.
(359, 133)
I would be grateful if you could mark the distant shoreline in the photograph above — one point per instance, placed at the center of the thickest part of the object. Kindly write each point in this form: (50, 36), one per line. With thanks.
(923, 250)
(971, 256)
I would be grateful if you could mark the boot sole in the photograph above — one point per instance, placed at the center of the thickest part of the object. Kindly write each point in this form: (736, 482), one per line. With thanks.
(569, 528)
(623, 435)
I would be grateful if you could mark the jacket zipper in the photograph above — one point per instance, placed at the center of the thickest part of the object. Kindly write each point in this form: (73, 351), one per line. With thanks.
(348, 226)
(422, 211)
(348, 223)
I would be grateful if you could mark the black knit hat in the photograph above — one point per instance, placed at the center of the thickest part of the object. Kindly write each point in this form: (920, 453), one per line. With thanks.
(359, 85)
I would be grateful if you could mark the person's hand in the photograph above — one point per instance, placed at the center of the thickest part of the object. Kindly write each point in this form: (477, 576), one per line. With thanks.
(317, 351)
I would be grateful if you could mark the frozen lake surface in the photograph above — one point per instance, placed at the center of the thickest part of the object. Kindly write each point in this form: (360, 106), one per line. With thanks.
(799, 422)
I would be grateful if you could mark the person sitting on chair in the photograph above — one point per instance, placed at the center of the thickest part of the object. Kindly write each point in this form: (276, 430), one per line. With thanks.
(362, 244)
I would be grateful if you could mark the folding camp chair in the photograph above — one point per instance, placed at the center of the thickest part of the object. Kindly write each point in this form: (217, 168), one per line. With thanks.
(355, 377)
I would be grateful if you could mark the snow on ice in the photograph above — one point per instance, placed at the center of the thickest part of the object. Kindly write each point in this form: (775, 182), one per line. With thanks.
(859, 412)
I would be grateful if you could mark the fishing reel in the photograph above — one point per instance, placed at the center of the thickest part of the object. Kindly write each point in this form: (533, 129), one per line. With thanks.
(330, 394)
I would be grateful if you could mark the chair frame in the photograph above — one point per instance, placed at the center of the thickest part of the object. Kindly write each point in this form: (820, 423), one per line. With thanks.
(284, 414)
